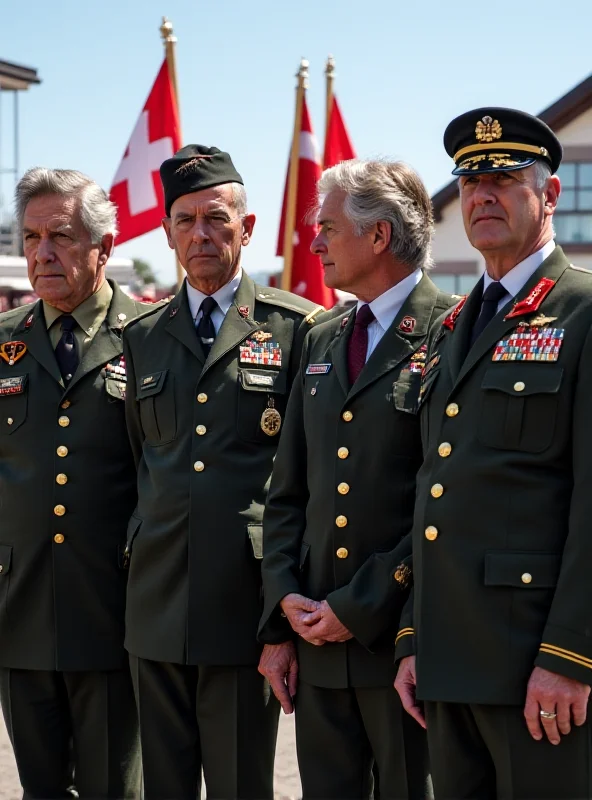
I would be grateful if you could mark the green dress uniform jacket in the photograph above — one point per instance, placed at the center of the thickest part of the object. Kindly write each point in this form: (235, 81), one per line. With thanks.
(502, 544)
(204, 461)
(67, 489)
(343, 491)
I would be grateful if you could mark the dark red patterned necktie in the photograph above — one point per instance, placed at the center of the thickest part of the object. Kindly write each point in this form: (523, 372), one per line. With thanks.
(358, 343)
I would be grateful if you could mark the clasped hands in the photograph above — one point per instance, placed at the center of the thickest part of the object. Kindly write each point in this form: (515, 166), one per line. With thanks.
(313, 620)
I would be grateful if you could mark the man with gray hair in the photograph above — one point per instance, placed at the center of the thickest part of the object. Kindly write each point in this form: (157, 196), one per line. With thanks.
(67, 489)
(343, 489)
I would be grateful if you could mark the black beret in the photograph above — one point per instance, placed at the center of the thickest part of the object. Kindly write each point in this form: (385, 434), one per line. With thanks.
(193, 168)
(500, 139)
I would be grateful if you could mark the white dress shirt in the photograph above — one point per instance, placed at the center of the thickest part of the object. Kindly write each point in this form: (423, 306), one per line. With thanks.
(224, 297)
(514, 280)
(386, 307)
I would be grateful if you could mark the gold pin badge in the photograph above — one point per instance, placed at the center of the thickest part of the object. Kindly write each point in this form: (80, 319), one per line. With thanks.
(261, 336)
(11, 352)
(271, 419)
(403, 575)
(488, 130)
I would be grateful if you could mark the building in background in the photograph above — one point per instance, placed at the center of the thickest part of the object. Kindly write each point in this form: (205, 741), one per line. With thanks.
(458, 265)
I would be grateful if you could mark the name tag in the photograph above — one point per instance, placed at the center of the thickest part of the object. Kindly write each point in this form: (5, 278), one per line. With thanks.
(254, 379)
(14, 385)
(318, 369)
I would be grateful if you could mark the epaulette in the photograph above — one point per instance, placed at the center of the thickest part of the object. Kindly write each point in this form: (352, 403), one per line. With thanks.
(580, 269)
(15, 312)
(152, 309)
(310, 318)
(282, 298)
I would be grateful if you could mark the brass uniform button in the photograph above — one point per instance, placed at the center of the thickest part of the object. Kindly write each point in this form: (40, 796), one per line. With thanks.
(519, 386)
(526, 578)
(452, 410)
(437, 490)
(431, 533)
(199, 466)
(62, 479)
(343, 452)
(202, 397)
(342, 552)
(64, 421)
(341, 521)
(9, 421)
(62, 451)
(59, 538)
(343, 488)
(59, 511)
(445, 449)
(200, 430)
(66, 404)
(347, 416)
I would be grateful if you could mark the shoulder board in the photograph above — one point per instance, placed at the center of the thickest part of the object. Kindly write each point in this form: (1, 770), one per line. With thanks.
(310, 318)
(15, 312)
(580, 269)
(279, 297)
(148, 310)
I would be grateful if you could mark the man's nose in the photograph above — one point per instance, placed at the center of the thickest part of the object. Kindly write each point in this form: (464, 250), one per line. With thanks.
(318, 246)
(201, 231)
(484, 194)
(45, 251)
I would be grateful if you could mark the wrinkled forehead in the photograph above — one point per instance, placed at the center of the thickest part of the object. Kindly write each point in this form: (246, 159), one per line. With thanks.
(216, 197)
(331, 204)
(52, 210)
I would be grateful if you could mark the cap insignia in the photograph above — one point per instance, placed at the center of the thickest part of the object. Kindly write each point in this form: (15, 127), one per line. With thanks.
(488, 130)
(188, 165)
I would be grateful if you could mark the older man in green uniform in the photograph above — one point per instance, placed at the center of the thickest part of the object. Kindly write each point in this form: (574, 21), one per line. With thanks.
(67, 489)
(209, 380)
(498, 644)
(343, 490)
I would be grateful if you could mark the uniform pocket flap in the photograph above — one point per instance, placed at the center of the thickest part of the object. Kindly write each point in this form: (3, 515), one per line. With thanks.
(255, 531)
(115, 388)
(522, 570)
(263, 380)
(544, 378)
(5, 558)
(151, 384)
(304, 551)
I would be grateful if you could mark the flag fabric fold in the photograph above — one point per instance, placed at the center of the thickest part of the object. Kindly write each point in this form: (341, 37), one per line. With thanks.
(338, 145)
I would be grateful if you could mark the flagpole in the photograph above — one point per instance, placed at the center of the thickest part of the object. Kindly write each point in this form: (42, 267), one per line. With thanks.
(329, 78)
(290, 221)
(170, 42)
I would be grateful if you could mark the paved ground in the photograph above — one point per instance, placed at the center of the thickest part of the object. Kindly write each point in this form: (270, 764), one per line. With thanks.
(286, 773)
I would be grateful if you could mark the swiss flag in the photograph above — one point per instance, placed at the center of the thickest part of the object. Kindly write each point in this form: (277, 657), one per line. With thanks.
(338, 146)
(307, 270)
(136, 189)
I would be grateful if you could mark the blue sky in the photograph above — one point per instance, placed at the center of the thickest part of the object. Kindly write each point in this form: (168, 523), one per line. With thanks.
(403, 71)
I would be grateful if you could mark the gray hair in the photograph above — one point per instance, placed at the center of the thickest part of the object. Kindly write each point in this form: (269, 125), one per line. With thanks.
(391, 191)
(542, 173)
(97, 212)
(239, 198)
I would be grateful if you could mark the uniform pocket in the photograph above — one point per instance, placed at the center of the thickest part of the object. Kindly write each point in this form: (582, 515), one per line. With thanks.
(156, 397)
(259, 390)
(115, 389)
(522, 569)
(13, 403)
(519, 406)
(406, 391)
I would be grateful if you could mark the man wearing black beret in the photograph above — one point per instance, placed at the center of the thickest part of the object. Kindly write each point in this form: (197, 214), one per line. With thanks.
(497, 640)
(208, 381)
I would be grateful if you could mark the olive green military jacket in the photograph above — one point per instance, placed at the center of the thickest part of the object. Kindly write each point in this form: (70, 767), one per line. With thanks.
(67, 489)
(343, 490)
(204, 461)
(502, 536)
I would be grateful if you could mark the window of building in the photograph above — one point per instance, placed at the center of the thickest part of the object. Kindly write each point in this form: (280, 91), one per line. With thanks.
(573, 218)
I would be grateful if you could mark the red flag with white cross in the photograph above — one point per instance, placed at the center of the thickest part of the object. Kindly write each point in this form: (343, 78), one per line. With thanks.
(137, 190)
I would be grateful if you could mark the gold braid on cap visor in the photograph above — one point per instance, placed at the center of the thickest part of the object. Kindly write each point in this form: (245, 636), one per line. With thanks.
(527, 148)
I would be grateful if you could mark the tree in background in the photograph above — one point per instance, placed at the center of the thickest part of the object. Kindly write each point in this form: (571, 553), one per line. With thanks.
(144, 272)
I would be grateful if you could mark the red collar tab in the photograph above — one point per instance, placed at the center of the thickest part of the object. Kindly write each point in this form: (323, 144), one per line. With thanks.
(534, 299)
(450, 320)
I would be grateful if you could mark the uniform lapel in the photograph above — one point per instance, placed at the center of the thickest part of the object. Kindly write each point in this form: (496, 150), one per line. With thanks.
(460, 338)
(553, 267)
(398, 344)
(181, 325)
(338, 350)
(238, 322)
(32, 331)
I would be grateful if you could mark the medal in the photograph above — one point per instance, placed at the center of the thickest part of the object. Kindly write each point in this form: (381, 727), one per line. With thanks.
(271, 419)
(11, 352)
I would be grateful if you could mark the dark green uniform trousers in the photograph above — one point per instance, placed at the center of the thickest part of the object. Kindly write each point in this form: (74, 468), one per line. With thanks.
(340, 733)
(485, 752)
(220, 719)
(72, 730)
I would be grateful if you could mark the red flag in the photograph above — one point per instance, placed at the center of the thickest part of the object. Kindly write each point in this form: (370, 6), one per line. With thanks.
(307, 270)
(137, 190)
(338, 146)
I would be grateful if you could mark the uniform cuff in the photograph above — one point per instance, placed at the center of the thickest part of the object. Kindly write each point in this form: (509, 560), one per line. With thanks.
(566, 653)
(404, 643)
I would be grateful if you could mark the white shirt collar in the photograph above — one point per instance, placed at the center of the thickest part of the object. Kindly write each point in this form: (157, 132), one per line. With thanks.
(514, 280)
(224, 296)
(387, 305)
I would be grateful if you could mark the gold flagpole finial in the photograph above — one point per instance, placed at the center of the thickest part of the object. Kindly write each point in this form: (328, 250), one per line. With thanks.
(166, 31)
(329, 78)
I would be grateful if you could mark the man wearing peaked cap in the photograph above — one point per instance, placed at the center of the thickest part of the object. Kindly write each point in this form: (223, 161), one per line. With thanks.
(209, 378)
(496, 639)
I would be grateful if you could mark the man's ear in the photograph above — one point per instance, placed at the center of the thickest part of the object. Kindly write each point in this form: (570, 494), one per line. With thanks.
(106, 248)
(552, 193)
(382, 233)
(166, 224)
(248, 225)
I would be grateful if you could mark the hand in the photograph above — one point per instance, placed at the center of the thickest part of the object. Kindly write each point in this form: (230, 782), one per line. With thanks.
(279, 665)
(297, 609)
(549, 691)
(328, 628)
(405, 683)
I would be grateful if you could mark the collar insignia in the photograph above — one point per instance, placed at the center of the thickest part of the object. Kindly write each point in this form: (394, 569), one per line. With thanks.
(450, 320)
(534, 299)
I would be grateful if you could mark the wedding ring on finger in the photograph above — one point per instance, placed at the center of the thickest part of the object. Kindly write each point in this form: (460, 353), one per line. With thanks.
(547, 714)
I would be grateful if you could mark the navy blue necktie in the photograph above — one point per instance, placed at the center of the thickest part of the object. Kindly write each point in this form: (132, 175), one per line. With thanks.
(491, 297)
(205, 327)
(66, 350)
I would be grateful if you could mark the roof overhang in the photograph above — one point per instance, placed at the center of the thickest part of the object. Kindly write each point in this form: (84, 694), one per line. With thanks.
(15, 77)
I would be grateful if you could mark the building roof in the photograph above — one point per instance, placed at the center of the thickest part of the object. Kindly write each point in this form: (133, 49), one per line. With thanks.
(557, 116)
(17, 77)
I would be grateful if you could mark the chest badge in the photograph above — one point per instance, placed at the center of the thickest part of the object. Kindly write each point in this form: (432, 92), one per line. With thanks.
(11, 352)
(271, 419)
